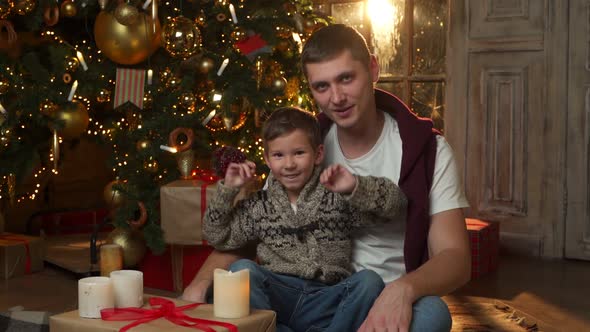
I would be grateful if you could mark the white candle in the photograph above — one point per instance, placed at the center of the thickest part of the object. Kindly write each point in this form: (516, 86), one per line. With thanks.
(208, 118)
(232, 11)
(73, 90)
(128, 288)
(81, 59)
(94, 294)
(168, 148)
(222, 68)
(2, 109)
(146, 4)
(231, 293)
(150, 75)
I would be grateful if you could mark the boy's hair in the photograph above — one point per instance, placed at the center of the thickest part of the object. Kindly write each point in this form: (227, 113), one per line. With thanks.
(285, 120)
(330, 41)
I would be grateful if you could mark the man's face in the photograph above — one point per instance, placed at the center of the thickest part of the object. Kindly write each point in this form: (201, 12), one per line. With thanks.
(343, 88)
(291, 159)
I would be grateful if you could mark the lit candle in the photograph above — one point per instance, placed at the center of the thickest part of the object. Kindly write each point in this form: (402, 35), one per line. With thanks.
(111, 258)
(150, 74)
(128, 288)
(146, 4)
(168, 148)
(81, 59)
(154, 16)
(232, 11)
(73, 90)
(94, 294)
(208, 118)
(222, 68)
(2, 109)
(231, 293)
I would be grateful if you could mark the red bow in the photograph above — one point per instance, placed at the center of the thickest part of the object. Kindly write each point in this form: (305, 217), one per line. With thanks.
(162, 308)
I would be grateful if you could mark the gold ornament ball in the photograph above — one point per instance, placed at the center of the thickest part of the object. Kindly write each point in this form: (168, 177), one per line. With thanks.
(309, 25)
(279, 84)
(126, 45)
(143, 144)
(24, 7)
(103, 96)
(113, 197)
(126, 14)
(48, 108)
(182, 37)
(68, 9)
(206, 65)
(72, 63)
(132, 242)
(74, 117)
(4, 85)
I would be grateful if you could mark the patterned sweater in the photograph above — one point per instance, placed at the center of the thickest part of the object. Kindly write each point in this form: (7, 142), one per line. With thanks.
(312, 243)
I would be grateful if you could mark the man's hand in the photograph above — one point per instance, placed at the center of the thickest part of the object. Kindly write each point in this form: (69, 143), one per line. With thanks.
(392, 311)
(338, 179)
(239, 174)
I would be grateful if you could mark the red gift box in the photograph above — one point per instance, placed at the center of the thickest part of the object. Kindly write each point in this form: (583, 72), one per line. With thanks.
(175, 268)
(484, 237)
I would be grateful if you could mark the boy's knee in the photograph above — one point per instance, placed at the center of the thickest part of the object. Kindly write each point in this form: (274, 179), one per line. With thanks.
(243, 264)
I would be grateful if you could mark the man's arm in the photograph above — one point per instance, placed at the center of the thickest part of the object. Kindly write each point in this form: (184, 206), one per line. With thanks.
(196, 291)
(448, 268)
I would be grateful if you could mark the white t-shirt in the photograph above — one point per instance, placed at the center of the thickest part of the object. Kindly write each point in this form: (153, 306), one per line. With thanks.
(381, 247)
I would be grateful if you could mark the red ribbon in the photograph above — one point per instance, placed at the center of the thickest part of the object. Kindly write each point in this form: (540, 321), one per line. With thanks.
(163, 308)
(208, 178)
(25, 241)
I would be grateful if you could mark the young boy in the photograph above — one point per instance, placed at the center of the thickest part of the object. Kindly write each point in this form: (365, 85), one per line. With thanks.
(302, 224)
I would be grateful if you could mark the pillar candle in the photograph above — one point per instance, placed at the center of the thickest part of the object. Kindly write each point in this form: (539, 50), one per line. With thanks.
(111, 259)
(231, 293)
(94, 294)
(128, 288)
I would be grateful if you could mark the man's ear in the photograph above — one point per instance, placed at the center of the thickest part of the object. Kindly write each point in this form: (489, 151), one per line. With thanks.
(374, 68)
(319, 155)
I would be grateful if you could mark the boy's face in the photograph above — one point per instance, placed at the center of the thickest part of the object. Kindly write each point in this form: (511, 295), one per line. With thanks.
(343, 88)
(292, 159)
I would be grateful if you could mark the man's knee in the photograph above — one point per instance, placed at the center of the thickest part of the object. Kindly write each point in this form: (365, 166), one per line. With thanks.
(431, 313)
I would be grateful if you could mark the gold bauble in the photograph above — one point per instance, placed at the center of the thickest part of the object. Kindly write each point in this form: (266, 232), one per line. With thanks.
(206, 65)
(113, 197)
(126, 45)
(4, 85)
(24, 7)
(74, 118)
(278, 85)
(143, 144)
(309, 25)
(68, 9)
(126, 14)
(182, 37)
(103, 96)
(132, 242)
(72, 63)
(48, 108)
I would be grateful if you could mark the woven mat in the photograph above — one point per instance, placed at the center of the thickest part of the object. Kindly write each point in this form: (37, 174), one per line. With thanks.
(481, 314)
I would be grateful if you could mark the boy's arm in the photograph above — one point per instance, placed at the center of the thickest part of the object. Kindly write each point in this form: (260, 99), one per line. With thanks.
(379, 196)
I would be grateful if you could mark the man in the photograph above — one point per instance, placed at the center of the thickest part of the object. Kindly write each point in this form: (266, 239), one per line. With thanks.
(372, 132)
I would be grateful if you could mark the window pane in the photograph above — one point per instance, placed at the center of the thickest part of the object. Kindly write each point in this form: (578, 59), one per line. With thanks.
(429, 36)
(387, 38)
(428, 101)
(351, 13)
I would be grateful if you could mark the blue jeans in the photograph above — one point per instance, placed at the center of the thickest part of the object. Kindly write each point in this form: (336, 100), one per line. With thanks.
(307, 305)
(430, 314)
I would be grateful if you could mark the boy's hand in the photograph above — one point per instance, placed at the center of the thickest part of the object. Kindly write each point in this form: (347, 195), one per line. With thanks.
(338, 179)
(239, 174)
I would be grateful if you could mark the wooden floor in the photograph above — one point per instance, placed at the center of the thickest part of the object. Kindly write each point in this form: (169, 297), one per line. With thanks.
(556, 291)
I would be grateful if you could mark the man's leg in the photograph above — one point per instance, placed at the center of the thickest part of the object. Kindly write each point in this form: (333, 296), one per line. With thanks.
(430, 313)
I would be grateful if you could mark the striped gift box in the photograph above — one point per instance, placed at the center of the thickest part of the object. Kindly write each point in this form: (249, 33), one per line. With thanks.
(129, 87)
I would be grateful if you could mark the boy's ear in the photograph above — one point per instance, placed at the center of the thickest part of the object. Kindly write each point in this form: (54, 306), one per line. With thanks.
(319, 155)
(265, 155)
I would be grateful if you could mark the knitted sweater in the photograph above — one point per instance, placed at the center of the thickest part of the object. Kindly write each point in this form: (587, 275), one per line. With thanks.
(313, 243)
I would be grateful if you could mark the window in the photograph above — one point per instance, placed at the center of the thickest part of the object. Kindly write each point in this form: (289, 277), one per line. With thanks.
(409, 38)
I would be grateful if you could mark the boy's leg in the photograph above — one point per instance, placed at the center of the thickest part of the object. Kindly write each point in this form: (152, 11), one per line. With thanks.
(341, 307)
(431, 313)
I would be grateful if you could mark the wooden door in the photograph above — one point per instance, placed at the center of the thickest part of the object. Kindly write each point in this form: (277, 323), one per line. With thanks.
(577, 244)
(505, 117)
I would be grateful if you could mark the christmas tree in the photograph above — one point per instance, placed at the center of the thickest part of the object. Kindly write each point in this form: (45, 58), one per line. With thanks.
(159, 83)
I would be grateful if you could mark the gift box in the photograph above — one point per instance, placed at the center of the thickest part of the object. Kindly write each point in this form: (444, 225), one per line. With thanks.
(484, 237)
(257, 321)
(182, 207)
(175, 268)
(20, 254)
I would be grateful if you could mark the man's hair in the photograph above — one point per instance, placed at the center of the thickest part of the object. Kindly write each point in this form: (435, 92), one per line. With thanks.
(285, 120)
(330, 41)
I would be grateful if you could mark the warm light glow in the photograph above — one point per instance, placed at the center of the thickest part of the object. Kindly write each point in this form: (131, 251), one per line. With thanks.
(386, 16)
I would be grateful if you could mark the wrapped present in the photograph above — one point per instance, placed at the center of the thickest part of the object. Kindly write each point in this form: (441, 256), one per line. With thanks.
(485, 246)
(164, 314)
(182, 207)
(20, 254)
(175, 268)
